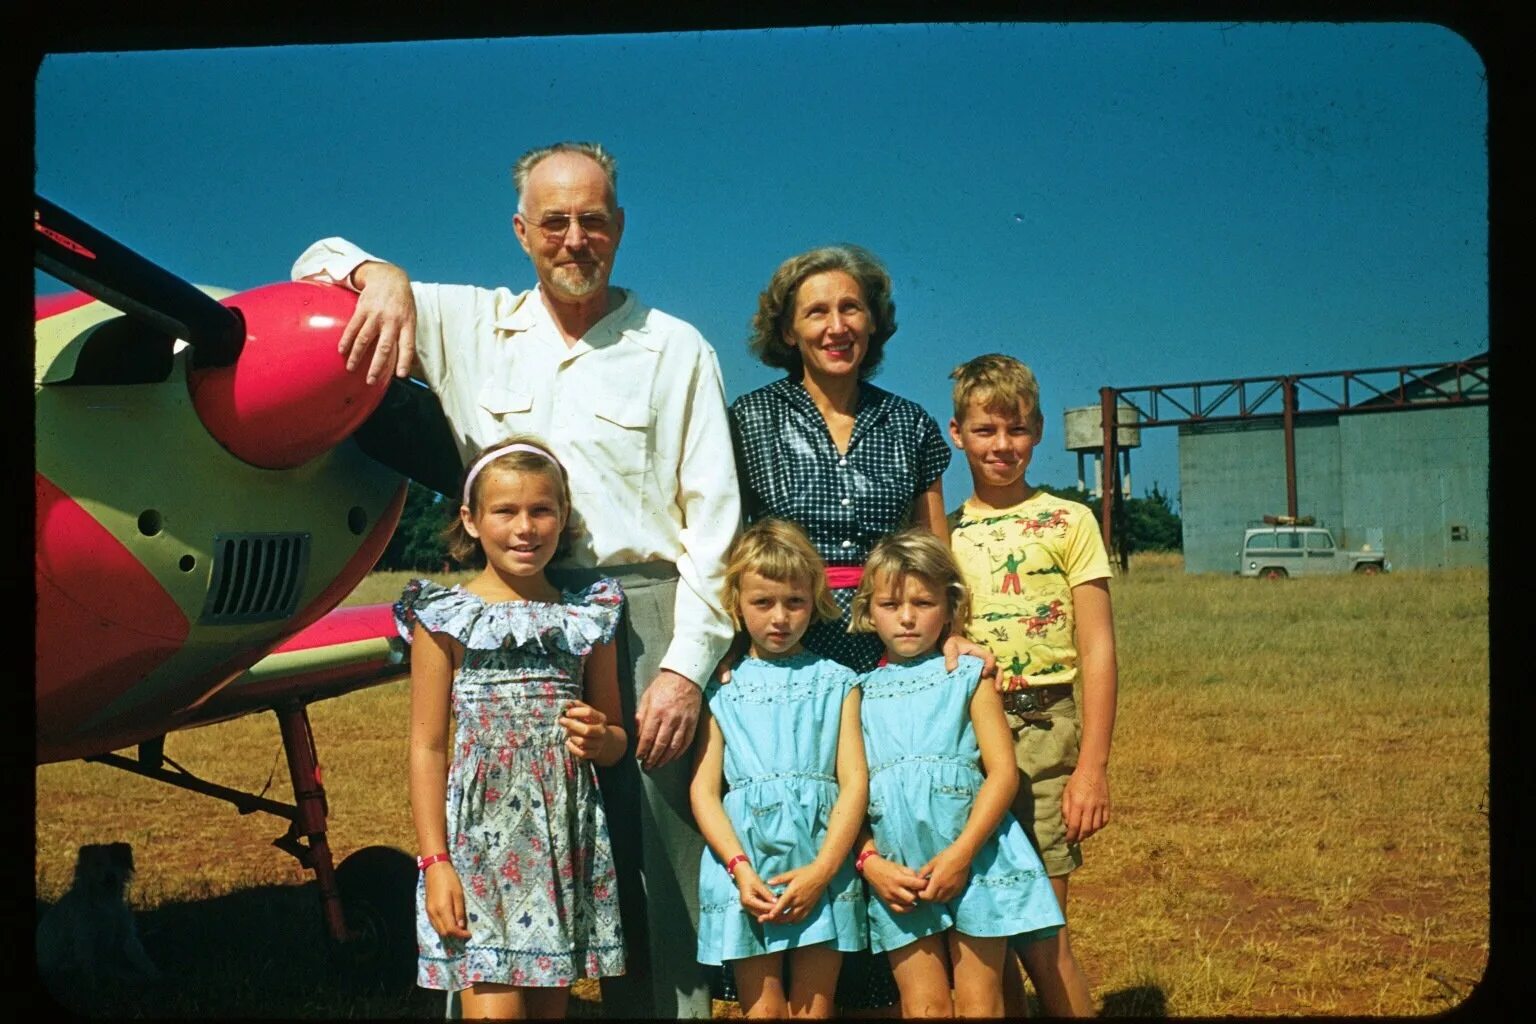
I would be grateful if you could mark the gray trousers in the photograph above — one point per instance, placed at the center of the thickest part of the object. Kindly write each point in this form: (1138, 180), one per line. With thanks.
(656, 845)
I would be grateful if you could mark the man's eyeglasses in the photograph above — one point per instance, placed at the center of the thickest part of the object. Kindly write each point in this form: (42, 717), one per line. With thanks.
(557, 225)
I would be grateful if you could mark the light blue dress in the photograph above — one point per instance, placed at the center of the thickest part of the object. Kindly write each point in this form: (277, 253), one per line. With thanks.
(924, 771)
(780, 720)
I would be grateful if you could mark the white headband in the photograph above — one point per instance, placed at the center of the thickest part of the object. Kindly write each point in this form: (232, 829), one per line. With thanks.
(469, 481)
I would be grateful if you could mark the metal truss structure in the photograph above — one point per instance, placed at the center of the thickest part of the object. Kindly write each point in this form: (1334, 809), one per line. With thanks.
(1288, 398)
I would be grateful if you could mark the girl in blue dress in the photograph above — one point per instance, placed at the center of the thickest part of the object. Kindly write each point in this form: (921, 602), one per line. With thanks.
(517, 896)
(777, 892)
(952, 874)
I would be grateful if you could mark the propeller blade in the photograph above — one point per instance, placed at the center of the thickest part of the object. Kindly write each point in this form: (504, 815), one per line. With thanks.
(78, 254)
(409, 433)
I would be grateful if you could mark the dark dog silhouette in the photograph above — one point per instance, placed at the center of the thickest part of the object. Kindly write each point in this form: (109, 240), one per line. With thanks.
(90, 935)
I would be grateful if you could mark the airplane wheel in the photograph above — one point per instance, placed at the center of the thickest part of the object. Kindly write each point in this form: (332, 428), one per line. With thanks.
(378, 896)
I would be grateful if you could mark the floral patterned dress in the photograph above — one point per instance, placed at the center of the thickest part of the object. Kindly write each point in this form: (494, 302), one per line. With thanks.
(527, 832)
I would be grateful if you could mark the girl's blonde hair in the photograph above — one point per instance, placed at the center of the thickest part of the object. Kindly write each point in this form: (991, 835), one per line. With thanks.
(463, 548)
(778, 550)
(915, 552)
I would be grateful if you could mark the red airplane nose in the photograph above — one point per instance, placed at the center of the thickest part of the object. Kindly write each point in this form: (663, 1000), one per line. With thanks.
(288, 397)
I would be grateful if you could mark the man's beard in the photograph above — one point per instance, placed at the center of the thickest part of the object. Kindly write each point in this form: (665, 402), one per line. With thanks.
(575, 284)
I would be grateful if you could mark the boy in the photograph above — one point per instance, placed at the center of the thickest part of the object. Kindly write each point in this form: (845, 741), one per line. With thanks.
(1039, 580)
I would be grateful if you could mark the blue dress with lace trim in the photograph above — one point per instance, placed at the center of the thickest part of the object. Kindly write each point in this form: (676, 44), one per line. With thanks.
(527, 833)
(781, 721)
(924, 771)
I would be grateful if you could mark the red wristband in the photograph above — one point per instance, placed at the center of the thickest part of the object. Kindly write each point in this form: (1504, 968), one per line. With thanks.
(730, 865)
(422, 863)
(858, 862)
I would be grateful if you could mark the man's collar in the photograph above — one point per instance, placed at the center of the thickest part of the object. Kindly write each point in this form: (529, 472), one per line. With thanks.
(628, 319)
(524, 314)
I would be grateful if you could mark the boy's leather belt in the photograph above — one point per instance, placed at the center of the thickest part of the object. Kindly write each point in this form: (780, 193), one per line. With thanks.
(1035, 698)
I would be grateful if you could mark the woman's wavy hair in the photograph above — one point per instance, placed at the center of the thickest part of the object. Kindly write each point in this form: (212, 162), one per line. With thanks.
(776, 305)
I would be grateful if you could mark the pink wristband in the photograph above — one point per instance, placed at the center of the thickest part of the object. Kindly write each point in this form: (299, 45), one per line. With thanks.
(422, 863)
(730, 866)
(858, 862)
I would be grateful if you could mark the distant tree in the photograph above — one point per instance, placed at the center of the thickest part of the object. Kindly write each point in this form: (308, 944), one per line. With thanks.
(417, 542)
(1153, 524)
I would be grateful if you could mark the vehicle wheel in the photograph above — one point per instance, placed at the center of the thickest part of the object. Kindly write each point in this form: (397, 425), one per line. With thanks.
(378, 897)
(1369, 569)
(1273, 572)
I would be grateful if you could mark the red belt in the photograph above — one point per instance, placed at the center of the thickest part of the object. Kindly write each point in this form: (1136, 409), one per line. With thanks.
(841, 577)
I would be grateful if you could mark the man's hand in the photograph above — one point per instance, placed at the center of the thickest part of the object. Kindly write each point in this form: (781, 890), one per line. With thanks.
(384, 321)
(956, 645)
(665, 719)
(1085, 803)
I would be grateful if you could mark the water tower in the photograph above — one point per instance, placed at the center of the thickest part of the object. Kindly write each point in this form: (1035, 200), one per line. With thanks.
(1085, 434)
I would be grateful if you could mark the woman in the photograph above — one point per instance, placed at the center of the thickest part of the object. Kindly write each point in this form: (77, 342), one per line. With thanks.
(845, 460)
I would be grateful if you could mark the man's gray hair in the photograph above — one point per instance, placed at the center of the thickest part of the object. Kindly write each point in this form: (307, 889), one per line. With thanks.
(593, 150)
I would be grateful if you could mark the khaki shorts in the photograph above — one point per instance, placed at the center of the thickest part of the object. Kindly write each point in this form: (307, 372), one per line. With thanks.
(1046, 753)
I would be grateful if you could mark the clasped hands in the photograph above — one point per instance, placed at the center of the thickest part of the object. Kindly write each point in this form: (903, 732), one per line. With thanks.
(803, 887)
(899, 887)
(940, 880)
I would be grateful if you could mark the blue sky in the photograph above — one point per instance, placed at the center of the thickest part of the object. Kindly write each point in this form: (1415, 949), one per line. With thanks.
(1115, 204)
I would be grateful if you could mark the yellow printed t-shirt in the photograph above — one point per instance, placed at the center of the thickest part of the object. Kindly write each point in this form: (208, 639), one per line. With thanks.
(1021, 564)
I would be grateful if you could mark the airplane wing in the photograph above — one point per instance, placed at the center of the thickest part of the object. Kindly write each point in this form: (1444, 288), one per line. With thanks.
(348, 649)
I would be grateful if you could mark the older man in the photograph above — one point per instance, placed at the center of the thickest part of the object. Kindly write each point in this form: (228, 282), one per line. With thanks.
(631, 400)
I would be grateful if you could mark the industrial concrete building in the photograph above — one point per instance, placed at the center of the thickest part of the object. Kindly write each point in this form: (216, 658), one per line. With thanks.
(1394, 458)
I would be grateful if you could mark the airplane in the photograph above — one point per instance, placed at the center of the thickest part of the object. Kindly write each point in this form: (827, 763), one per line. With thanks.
(210, 484)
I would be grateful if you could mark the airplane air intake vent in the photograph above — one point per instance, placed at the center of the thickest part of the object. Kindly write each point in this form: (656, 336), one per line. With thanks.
(257, 577)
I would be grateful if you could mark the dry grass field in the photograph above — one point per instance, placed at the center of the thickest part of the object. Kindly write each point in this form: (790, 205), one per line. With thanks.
(1300, 780)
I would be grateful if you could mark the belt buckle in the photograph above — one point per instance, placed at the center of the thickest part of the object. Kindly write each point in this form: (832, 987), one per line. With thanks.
(1026, 705)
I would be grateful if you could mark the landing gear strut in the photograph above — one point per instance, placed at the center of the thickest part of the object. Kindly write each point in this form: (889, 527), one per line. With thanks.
(367, 903)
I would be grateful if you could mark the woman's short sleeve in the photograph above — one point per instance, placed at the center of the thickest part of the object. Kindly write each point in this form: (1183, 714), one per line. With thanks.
(933, 453)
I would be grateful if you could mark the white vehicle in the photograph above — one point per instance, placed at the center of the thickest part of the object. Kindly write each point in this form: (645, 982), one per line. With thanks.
(1279, 549)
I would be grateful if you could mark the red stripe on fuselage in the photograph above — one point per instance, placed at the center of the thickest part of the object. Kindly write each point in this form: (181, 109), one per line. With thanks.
(344, 626)
(90, 654)
(46, 306)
